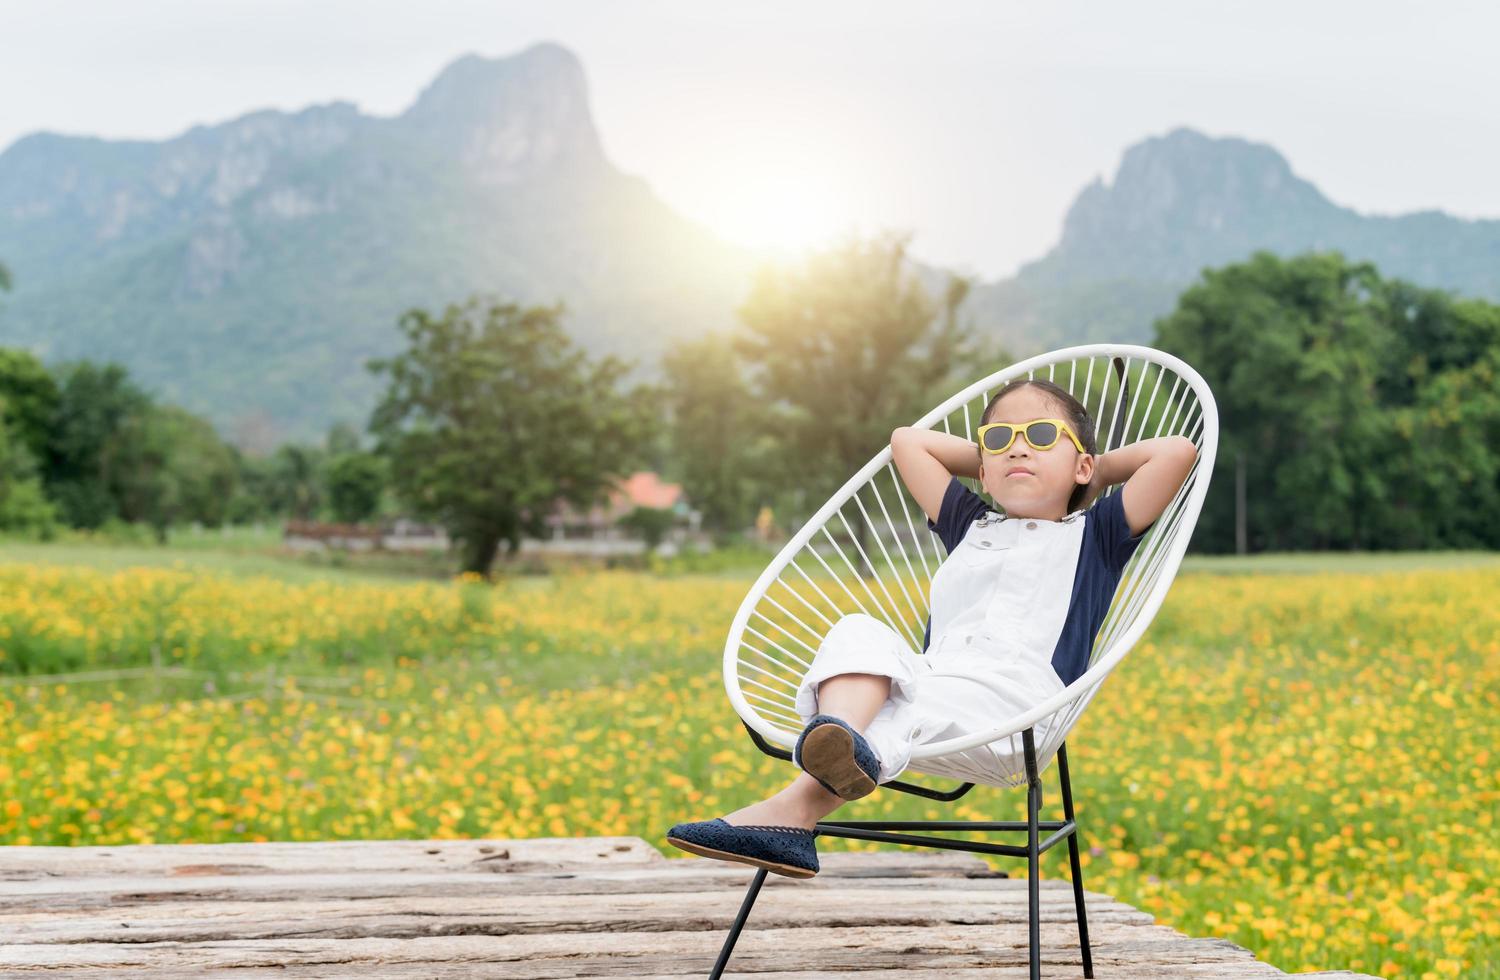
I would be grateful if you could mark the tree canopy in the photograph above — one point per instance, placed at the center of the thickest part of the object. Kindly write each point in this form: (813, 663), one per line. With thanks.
(721, 449)
(1360, 412)
(843, 350)
(492, 414)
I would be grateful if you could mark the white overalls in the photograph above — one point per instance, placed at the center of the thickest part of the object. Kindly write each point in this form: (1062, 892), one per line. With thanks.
(999, 602)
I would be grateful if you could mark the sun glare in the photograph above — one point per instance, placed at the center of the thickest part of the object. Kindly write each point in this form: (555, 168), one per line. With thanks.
(778, 202)
(780, 211)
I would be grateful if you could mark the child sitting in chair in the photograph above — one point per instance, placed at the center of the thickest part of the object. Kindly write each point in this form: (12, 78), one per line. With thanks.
(1015, 609)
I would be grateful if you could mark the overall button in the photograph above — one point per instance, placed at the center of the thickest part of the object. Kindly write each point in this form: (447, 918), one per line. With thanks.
(1031, 525)
(984, 544)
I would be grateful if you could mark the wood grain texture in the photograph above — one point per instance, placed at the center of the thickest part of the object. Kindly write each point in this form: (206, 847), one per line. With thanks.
(555, 908)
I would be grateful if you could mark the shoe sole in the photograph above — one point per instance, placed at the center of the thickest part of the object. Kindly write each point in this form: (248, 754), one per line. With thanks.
(828, 754)
(789, 870)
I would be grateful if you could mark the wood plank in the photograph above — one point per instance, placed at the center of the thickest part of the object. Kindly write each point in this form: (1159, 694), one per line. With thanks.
(707, 876)
(62, 894)
(468, 970)
(546, 957)
(541, 853)
(491, 855)
(200, 921)
(556, 907)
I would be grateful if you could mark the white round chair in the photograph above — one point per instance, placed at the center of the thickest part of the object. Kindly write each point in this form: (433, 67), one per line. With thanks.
(868, 550)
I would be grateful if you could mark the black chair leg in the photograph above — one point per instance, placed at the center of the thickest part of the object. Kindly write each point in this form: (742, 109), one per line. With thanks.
(739, 922)
(1034, 871)
(1033, 856)
(1083, 921)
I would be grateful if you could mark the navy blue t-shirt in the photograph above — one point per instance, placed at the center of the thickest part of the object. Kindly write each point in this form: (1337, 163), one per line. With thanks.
(1102, 556)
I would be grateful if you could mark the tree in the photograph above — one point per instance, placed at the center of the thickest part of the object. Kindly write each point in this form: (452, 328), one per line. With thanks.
(92, 402)
(28, 400)
(255, 482)
(296, 481)
(719, 433)
(491, 415)
(342, 438)
(846, 349)
(1440, 387)
(23, 506)
(1289, 348)
(1354, 412)
(169, 466)
(31, 395)
(651, 523)
(354, 484)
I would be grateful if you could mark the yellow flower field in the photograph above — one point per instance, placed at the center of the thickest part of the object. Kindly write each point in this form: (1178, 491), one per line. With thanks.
(1302, 764)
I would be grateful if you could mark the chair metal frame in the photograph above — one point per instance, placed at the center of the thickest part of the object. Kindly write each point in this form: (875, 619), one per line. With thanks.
(1188, 408)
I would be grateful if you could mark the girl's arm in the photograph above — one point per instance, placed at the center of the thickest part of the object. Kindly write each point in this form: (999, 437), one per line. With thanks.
(927, 460)
(1152, 469)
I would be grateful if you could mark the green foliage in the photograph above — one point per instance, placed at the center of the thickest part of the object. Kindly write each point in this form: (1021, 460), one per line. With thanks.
(721, 444)
(1365, 413)
(85, 432)
(492, 414)
(342, 438)
(355, 481)
(251, 502)
(24, 508)
(170, 467)
(295, 482)
(31, 396)
(105, 452)
(651, 523)
(843, 351)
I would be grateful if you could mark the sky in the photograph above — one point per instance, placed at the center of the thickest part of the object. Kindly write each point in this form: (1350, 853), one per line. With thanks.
(970, 126)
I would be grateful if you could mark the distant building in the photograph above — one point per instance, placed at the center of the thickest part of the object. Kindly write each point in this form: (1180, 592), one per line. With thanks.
(593, 532)
(641, 489)
(396, 535)
(645, 489)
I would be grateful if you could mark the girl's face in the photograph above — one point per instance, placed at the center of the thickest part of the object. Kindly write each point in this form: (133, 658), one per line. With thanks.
(1049, 476)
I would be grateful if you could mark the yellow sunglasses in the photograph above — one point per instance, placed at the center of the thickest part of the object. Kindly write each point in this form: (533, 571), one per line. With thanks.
(1041, 433)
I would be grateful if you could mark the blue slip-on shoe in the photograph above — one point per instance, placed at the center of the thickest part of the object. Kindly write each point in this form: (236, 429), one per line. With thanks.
(837, 756)
(785, 850)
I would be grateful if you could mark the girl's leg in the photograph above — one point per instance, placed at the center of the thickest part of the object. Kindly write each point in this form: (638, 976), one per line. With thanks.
(853, 698)
(838, 684)
(801, 803)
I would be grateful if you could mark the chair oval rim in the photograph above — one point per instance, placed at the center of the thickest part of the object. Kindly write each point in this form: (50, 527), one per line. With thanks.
(1096, 673)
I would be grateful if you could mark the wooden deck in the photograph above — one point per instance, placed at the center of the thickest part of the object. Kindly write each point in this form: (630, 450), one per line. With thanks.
(553, 907)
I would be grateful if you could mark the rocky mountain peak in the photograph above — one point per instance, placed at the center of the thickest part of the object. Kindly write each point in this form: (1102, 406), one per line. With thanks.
(1187, 182)
(1182, 200)
(507, 119)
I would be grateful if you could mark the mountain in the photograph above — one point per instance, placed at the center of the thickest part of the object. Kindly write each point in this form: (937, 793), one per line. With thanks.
(1185, 201)
(246, 270)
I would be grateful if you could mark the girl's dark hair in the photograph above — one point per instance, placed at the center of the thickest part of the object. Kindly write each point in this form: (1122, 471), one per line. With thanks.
(1069, 408)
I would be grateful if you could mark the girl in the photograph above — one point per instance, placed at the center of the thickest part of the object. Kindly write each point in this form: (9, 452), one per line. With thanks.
(1015, 609)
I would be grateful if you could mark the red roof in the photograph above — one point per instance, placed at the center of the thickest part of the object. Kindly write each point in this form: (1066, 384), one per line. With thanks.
(641, 489)
(645, 489)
